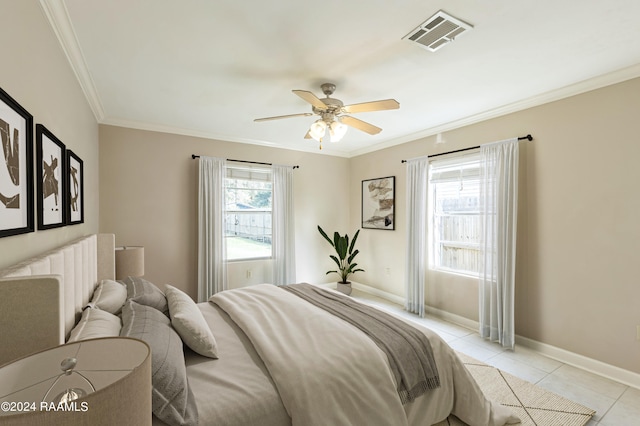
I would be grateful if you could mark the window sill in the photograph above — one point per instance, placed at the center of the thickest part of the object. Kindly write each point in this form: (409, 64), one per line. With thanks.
(249, 259)
(458, 273)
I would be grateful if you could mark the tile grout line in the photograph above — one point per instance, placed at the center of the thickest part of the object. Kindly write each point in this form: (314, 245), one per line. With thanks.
(614, 403)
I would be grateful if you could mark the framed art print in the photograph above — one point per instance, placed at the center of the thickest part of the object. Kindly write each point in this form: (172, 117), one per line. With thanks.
(378, 203)
(50, 172)
(75, 189)
(16, 168)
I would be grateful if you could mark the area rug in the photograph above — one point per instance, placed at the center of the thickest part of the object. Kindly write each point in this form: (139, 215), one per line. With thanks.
(535, 406)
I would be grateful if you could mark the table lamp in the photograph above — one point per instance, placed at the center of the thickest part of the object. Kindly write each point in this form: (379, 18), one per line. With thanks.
(104, 381)
(129, 262)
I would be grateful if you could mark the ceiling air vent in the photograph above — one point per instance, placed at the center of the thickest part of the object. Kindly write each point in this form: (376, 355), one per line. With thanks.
(437, 31)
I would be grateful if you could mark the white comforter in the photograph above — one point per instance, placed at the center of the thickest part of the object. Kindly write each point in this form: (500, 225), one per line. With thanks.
(330, 373)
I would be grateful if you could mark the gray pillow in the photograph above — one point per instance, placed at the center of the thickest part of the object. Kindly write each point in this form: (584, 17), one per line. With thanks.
(171, 398)
(95, 323)
(146, 293)
(109, 296)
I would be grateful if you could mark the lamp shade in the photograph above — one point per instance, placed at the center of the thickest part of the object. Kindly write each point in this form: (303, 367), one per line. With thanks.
(318, 129)
(129, 262)
(114, 372)
(337, 130)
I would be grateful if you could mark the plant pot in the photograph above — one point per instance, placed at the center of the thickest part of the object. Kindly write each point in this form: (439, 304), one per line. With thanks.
(344, 288)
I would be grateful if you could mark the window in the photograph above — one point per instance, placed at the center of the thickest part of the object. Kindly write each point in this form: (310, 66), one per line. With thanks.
(454, 197)
(248, 213)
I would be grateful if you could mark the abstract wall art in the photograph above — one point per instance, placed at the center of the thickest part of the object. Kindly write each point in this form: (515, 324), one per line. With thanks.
(50, 169)
(16, 168)
(378, 203)
(75, 188)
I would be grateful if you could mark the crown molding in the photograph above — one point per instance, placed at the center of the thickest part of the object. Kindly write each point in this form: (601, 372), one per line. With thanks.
(584, 86)
(58, 17)
(218, 137)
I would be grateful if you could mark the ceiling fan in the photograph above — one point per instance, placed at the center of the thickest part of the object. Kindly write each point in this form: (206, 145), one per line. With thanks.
(331, 112)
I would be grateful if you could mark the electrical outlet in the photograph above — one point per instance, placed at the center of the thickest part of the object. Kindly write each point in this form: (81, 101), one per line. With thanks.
(249, 273)
(387, 271)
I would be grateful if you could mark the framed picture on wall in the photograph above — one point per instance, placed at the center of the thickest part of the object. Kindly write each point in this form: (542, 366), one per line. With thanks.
(75, 189)
(378, 203)
(16, 168)
(50, 175)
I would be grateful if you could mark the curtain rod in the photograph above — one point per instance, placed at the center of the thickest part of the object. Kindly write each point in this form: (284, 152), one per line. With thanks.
(528, 137)
(193, 157)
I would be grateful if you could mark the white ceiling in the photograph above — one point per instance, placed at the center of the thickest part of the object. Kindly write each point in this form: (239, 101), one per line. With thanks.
(209, 67)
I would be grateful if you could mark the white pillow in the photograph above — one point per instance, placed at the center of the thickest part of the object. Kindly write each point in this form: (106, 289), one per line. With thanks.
(188, 321)
(109, 296)
(96, 323)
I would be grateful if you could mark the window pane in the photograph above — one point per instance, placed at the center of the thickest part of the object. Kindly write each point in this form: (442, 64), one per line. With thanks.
(455, 236)
(248, 219)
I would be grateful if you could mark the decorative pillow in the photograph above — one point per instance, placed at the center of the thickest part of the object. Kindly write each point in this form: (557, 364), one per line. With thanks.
(146, 293)
(188, 321)
(95, 323)
(109, 296)
(171, 398)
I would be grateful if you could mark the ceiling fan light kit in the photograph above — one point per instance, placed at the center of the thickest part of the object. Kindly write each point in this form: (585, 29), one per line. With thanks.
(317, 130)
(331, 112)
(337, 130)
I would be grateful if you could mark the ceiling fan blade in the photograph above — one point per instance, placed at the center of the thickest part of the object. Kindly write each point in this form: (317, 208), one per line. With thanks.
(372, 106)
(360, 125)
(311, 98)
(278, 117)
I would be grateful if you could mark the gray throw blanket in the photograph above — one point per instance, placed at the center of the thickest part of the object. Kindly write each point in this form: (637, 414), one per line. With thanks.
(408, 350)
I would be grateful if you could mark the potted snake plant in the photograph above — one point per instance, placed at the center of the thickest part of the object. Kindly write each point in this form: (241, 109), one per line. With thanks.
(346, 253)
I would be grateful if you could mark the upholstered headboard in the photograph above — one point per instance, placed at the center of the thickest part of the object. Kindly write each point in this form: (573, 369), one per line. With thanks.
(42, 298)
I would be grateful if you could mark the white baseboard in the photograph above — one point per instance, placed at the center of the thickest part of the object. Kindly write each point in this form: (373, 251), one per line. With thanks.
(453, 318)
(379, 293)
(370, 290)
(591, 365)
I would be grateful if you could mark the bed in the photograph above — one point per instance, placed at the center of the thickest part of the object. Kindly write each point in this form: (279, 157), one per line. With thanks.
(270, 356)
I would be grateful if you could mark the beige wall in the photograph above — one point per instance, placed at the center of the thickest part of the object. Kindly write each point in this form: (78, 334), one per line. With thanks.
(148, 196)
(578, 229)
(35, 72)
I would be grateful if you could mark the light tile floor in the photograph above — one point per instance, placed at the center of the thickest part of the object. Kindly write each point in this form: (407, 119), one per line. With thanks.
(616, 404)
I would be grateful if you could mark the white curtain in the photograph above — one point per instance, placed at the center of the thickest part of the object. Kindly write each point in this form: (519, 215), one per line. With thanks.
(212, 270)
(498, 215)
(283, 239)
(416, 234)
